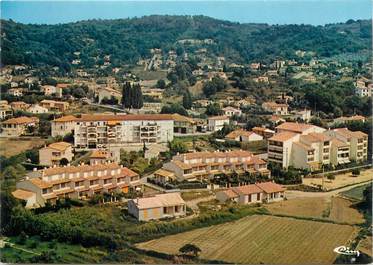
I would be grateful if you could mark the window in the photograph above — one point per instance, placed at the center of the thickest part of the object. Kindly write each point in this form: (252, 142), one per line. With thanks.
(258, 196)
(45, 191)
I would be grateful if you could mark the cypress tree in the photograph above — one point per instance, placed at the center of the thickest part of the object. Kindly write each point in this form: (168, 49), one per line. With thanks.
(187, 100)
(126, 95)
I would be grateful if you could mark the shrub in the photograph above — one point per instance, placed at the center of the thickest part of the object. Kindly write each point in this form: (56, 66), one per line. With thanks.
(330, 176)
(355, 172)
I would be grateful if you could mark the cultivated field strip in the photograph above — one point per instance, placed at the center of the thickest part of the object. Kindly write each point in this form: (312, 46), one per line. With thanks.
(266, 239)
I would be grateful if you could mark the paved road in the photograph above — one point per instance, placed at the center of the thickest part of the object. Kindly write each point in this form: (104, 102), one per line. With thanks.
(291, 194)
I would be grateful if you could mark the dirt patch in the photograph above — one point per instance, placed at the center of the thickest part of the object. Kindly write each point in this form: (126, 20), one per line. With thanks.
(11, 147)
(340, 180)
(302, 207)
(343, 211)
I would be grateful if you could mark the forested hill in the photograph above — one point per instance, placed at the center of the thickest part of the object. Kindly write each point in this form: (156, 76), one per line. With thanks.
(127, 40)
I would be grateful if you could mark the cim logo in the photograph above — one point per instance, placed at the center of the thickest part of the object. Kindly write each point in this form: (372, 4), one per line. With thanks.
(346, 251)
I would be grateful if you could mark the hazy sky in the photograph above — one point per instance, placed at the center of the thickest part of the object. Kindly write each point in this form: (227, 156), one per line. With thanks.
(316, 12)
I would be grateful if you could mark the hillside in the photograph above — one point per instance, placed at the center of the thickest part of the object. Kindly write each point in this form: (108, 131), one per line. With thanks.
(128, 40)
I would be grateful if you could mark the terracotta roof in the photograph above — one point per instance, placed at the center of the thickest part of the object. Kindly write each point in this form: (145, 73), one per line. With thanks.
(18, 103)
(159, 200)
(282, 136)
(304, 146)
(295, 127)
(60, 146)
(129, 117)
(164, 173)
(100, 154)
(182, 165)
(206, 154)
(178, 117)
(63, 85)
(316, 137)
(66, 118)
(339, 143)
(82, 168)
(275, 118)
(247, 189)
(128, 172)
(21, 120)
(231, 108)
(40, 183)
(347, 133)
(237, 133)
(22, 194)
(230, 193)
(54, 101)
(274, 105)
(270, 187)
(218, 118)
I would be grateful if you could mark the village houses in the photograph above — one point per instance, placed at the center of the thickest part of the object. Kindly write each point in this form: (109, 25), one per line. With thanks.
(53, 154)
(252, 193)
(167, 205)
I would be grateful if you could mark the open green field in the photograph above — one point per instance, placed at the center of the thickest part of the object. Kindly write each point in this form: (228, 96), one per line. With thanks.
(32, 248)
(355, 193)
(149, 75)
(262, 239)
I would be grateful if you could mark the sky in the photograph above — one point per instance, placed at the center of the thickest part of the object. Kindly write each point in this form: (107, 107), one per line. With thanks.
(315, 12)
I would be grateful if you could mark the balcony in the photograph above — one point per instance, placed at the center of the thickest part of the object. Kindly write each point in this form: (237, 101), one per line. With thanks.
(275, 148)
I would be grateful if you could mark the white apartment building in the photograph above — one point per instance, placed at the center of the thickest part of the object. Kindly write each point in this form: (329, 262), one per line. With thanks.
(357, 142)
(302, 146)
(101, 131)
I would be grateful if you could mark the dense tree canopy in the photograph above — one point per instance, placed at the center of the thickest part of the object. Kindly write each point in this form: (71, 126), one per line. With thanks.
(128, 40)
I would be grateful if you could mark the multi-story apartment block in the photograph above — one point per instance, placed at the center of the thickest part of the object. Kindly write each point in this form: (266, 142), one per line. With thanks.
(204, 165)
(63, 125)
(18, 126)
(311, 151)
(78, 182)
(280, 148)
(357, 141)
(101, 131)
(53, 153)
(311, 147)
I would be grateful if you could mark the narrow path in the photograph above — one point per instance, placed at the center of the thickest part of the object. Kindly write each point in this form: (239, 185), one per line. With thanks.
(193, 204)
(291, 194)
